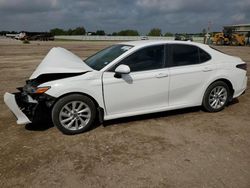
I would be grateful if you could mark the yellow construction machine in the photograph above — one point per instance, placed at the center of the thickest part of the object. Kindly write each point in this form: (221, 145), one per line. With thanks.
(229, 37)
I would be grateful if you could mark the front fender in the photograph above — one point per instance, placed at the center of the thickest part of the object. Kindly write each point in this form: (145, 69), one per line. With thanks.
(91, 86)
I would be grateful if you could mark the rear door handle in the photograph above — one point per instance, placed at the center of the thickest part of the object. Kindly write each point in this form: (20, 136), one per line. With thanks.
(162, 75)
(207, 69)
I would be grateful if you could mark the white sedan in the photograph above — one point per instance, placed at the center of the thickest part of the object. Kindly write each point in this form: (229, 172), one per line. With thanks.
(127, 79)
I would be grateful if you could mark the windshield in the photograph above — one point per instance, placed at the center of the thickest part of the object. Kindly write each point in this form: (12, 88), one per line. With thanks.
(104, 57)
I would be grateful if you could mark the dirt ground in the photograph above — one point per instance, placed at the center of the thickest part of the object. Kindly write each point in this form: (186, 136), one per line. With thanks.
(182, 148)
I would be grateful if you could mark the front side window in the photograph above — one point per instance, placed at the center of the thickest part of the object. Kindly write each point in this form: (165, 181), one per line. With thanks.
(104, 57)
(184, 55)
(145, 59)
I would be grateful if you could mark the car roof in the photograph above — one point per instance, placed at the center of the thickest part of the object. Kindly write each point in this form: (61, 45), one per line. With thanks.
(141, 43)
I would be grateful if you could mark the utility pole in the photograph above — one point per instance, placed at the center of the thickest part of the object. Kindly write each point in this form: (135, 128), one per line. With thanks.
(207, 36)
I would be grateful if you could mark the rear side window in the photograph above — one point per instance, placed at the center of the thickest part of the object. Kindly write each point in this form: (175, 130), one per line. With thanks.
(184, 55)
(188, 55)
(204, 56)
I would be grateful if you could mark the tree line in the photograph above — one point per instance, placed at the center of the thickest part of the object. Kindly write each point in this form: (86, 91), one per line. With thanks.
(127, 32)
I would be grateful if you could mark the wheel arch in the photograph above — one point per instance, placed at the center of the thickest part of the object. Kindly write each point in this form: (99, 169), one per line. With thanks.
(99, 108)
(225, 80)
(79, 93)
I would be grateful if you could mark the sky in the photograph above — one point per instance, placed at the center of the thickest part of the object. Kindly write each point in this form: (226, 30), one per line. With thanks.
(174, 16)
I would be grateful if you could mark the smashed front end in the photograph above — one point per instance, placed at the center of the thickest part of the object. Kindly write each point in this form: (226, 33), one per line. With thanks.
(30, 104)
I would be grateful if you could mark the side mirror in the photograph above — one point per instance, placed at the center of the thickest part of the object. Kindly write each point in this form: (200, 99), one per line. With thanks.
(121, 69)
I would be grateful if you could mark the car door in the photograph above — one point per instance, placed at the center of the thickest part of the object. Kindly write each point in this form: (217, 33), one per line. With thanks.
(144, 88)
(190, 68)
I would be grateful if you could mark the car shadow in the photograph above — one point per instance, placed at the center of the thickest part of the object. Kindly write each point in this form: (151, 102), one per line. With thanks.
(152, 116)
(160, 114)
(39, 126)
(47, 124)
(234, 101)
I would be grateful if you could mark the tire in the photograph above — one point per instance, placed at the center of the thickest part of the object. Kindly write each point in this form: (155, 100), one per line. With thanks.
(74, 114)
(234, 42)
(216, 97)
(220, 41)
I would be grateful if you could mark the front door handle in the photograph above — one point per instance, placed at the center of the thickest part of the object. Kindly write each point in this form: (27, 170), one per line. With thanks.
(162, 75)
(207, 69)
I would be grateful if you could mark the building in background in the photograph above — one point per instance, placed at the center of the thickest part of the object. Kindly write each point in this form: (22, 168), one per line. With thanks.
(240, 28)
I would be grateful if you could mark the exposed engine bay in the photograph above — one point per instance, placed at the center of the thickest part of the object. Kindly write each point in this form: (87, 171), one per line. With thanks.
(32, 99)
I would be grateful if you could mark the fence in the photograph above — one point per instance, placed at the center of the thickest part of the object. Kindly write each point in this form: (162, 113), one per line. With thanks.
(116, 38)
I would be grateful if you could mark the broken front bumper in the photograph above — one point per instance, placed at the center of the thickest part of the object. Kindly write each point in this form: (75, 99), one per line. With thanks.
(29, 108)
(10, 101)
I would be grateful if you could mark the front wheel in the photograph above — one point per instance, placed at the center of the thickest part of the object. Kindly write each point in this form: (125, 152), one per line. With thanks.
(73, 114)
(216, 97)
(235, 42)
(220, 41)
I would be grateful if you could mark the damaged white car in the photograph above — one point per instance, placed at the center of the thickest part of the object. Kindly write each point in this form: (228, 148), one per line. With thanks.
(127, 79)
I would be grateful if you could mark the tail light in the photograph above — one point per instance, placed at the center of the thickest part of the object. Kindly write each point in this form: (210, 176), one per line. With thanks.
(242, 66)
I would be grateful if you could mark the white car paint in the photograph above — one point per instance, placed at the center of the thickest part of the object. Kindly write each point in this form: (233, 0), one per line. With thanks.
(136, 91)
(89, 83)
(60, 60)
(10, 101)
(141, 92)
(187, 83)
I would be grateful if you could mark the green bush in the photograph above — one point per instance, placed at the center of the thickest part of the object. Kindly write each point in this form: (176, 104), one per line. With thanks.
(26, 42)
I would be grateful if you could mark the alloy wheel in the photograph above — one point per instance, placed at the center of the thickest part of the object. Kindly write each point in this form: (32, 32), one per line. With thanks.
(75, 115)
(218, 97)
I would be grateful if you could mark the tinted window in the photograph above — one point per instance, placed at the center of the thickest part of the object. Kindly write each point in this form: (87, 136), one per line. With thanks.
(145, 59)
(104, 57)
(184, 55)
(204, 56)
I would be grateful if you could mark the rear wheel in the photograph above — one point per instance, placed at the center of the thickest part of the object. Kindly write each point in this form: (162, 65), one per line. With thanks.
(74, 114)
(216, 97)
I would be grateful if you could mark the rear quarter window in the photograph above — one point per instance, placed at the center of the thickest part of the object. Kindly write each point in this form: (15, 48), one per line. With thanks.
(204, 56)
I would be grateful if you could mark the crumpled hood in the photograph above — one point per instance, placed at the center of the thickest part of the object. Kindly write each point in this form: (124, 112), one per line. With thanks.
(60, 60)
